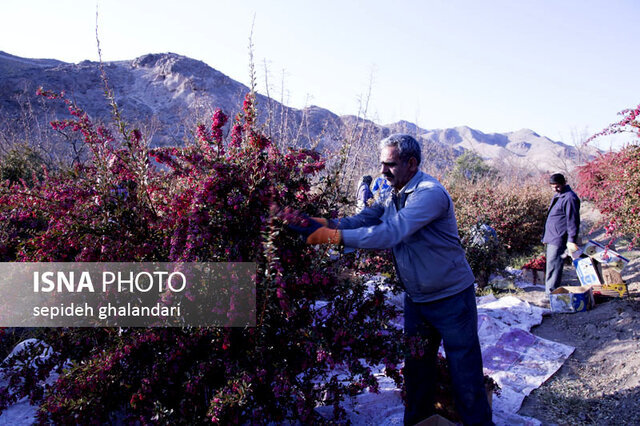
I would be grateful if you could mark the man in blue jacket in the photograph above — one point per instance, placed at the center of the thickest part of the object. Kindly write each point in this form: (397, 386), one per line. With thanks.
(380, 187)
(416, 220)
(560, 230)
(364, 193)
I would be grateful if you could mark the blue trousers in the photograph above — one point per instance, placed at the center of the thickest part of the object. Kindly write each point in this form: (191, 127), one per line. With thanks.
(454, 321)
(555, 264)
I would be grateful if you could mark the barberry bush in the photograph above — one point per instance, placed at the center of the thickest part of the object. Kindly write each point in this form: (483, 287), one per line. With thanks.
(223, 198)
(612, 180)
(517, 213)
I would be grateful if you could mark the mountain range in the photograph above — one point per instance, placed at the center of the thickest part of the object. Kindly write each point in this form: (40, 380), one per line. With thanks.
(166, 94)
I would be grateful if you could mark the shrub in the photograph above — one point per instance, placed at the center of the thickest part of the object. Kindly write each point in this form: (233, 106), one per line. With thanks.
(21, 164)
(471, 167)
(218, 199)
(517, 214)
(612, 180)
(485, 253)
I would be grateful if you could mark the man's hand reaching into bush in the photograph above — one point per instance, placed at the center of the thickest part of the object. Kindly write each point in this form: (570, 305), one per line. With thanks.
(315, 230)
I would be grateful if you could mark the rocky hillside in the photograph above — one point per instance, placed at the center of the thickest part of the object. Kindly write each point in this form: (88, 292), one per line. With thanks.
(523, 148)
(166, 94)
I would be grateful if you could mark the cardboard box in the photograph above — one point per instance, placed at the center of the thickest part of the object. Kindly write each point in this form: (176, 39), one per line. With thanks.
(610, 290)
(438, 420)
(610, 275)
(587, 272)
(533, 276)
(605, 256)
(435, 420)
(571, 299)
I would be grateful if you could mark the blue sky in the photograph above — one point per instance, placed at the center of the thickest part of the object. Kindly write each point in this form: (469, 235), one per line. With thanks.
(563, 68)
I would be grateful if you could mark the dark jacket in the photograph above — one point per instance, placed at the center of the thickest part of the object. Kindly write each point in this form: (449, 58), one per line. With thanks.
(364, 195)
(563, 218)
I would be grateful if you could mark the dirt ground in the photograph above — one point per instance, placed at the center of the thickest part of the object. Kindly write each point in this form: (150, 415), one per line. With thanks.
(600, 382)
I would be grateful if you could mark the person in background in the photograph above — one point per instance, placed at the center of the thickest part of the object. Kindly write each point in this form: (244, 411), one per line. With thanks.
(380, 187)
(417, 221)
(364, 192)
(560, 230)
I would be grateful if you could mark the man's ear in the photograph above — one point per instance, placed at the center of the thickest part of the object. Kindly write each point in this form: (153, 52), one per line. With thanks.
(413, 164)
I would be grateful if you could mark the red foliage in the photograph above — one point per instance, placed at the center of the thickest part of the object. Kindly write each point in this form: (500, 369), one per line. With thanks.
(517, 213)
(612, 181)
(212, 201)
(629, 123)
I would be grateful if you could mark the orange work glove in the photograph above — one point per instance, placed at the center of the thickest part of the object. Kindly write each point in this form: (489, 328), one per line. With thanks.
(324, 235)
(315, 231)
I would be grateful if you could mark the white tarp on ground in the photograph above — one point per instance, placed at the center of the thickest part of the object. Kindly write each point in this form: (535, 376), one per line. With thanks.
(516, 359)
(22, 412)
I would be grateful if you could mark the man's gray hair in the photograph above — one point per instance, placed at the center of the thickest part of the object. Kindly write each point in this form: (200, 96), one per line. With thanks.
(407, 146)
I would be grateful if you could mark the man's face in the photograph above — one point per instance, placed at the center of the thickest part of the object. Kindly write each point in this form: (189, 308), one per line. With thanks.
(557, 187)
(397, 172)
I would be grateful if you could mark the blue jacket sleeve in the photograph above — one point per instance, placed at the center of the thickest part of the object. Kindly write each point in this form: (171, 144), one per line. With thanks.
(572, 212)
(369, 216)
(422, 207)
